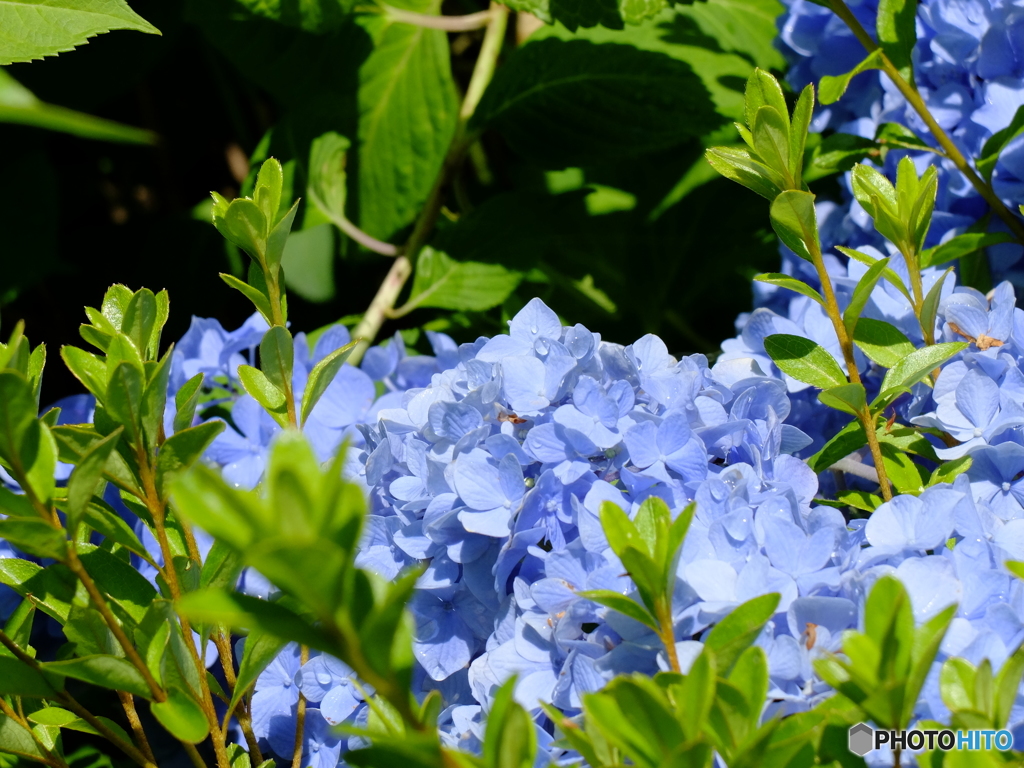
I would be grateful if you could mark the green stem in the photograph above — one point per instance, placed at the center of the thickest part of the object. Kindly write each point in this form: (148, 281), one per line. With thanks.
(913, 97)
(668, 636)
(846, 344)
(400, 271)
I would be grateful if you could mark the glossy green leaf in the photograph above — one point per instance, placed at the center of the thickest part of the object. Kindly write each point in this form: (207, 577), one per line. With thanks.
(849, 398)
(17, 740)
(737, 165)
(763, 90)
(73, 442)
(182, 717)
(182, 449)
(127, 589)
(87, 477)
(862, 500)
(124, 399)
(948, 471)
(891, 277)
(836, 153)
(861, 294)
(730, 637)
(255, 382)
(906, 475)
(244, 612)
(896, 26)
(960, 246)
(997, 142)
(795, 222)
(882, 342)
(185, 402)
(202, 497)
(623, 604)
(267, 191)
(19, 679)
(770, 132)
(259, 300)
(222, 566)
(919, 363)
(244, 224)
(35, 537)
(51, 588)
(831, 88)
(510, 739)
(105, 521)
(87, 368)
(327, 177)
(801, 122)
(105, 671)
(804, 360)
(37, 28)
(321, 376)
(259, 650)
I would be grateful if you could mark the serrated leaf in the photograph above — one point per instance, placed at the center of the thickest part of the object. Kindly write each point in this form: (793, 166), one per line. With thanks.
(882, 342)
(321, 376)
(831, 88)
(407, 114)
(573, 102)
(444, 283)
(34, 29)
(804, 360)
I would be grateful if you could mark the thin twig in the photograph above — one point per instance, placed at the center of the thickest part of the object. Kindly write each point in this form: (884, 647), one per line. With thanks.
(465, 23)
(300, 716)
(913, 97)
(400, 271)
(355, 233)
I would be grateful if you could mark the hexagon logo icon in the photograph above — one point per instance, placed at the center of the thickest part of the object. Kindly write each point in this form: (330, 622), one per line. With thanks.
(861, 739)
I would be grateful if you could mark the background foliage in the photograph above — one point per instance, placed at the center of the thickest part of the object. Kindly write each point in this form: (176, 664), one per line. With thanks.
(587, 166)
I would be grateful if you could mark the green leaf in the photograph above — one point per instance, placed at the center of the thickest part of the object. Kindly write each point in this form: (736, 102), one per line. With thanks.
(623, 604)
(771, 141)
(308, 263)
(804, 360)
(736, 164)
(849, 439)
(51, 589)
(222, 567)
(125, 587)
(831, 88)
(795, 222)
(960, 246)
(1007, 683)
(890, 276)
(861, 294)
(730, 637)
(801, 123)
(35, 537)
(910, 440)
(17, 740)
(124, 399)
(882, 342)
(837, 153)
(19, 679)
(19, 105)
(897, 33)
(259, 300)
(321, 376)
(108, 523)
(868, 184)
(181, 450)
(763, 90)
(37, 28)
(105, 671)
(407, 113)
(263, 392)
(510, 739)
(202, 496)
(568, 102)
(867, 502)
(849, 398)
(87, 368)
(244, 224)
(215, 606)
(948, 471)
(327, 177)
(903, 472)
(444, 283)
(278, 237)
(182, 717)
(259, 650)
(185, 402)
(919, 363)
(87, 477)
(997, 143)
(894, 134)
(73, 442)
(277, 356)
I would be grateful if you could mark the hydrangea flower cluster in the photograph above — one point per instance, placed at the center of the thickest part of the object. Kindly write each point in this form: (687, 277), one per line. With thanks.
(491, 468)
(969, 69)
